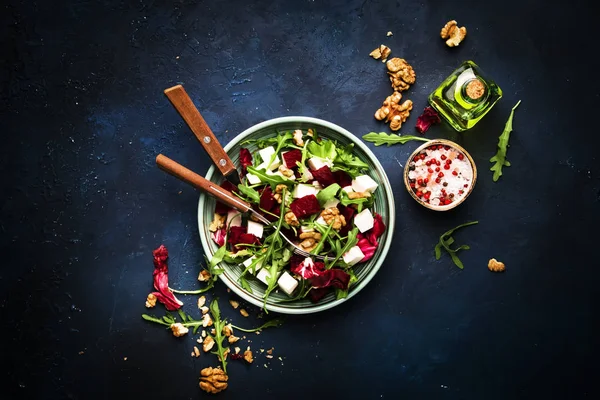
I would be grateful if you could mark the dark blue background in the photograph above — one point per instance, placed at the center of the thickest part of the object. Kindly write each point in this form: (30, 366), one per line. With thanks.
(83, 205)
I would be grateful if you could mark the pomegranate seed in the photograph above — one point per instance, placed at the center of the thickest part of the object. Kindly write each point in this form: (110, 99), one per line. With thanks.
(412, 185)
(445, 184)
(447, 147)
(460, 156)
(446, 166)
(441, 174)
(426, 180)
(427, 195)
(454, 173)
(448, 161)
(430, 170)
(438, 163)
(443, 157)
(428, 163)
(419, 193)
(461, 191)
(437, 169)
(466, 185)
(420, 182)
(438, 180)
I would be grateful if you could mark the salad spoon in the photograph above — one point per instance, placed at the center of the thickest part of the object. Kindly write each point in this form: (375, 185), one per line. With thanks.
(186, 175)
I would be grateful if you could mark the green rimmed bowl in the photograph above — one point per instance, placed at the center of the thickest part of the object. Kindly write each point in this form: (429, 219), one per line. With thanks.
(383, 205)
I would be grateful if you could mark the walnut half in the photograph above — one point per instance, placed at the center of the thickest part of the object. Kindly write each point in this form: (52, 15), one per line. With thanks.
(496, 266)
(394, 112)
(453, 33)
(402, 75)
(213, 380)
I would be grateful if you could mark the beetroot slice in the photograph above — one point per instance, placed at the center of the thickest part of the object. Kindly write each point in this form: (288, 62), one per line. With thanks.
(348, 213)
(290, 158)
(324, 176)
(317, 294)
(267, 201)
(342, 178)
(245, 159)
(304, 206)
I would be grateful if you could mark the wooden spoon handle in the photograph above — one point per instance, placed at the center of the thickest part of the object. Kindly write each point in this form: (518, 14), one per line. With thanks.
(181, 172)
(190, 114)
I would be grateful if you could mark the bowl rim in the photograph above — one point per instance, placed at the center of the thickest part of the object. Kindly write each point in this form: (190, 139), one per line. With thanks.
(391, 222)
(433, 142)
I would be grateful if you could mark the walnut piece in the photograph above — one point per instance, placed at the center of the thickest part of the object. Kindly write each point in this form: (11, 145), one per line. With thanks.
(285, 171)
(196, 352)
(206, 320)
(298, 138)
(394, 112)
(248, 356)
(314, 235)
(358, 195)
(213, 380)
(453, 33)
(228, 330)
(204, 275)
(496, 266)
(291, 219)
(204, 309)
(382, 52)
(402, 75)
(244, 312)
(279, 188)
(234, 303)
(201, 301)
(308, 244)
(208, 343)
(178, 329)
(217, 223)
(233, 339)
(333, 214)
(150, 300)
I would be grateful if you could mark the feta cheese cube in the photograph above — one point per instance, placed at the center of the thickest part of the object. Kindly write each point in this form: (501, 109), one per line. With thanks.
(263, 275)
(255, 228)
(305, 229)
(287, 283)
(317, 185)
(364, 183)
(353, 256)
(249, 262)
(348, 189)
(316, 163)
(320, 221)
(252, 179)
(331, 203)
(234, 218)
(266, 153)
(364, 220)
(302, 190)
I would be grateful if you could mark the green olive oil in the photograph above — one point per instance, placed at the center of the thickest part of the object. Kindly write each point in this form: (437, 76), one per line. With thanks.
(465, 96)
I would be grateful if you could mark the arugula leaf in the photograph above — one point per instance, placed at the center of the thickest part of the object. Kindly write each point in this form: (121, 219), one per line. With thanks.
(218, 336)
(499, 159)
(326, 149)
(328, 193)
(346, 161)
(361, 203)
(325, 236)
(261, 143)
(250, 193)
(244, 283)
(275, 322)
(382, 138)
(272, 180)
(351, 241)
(446, 240)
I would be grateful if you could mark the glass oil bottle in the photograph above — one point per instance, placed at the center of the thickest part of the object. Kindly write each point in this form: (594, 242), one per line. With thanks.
(465, 96)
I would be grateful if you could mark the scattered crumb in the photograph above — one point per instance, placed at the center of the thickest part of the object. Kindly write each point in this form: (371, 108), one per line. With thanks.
(199, 340)
(244, 312)
(280, 359)
(258, 332)
(181, 191)
(203, 333)
(389, 33)
(204, 309)
(201, 301)
(269, 356)
(196, 352)
(206, 320)
(81, 352)
(262, 350)
(124, 358)
(248, 356)
(234, 304)
(270, 351)
(228, 290)
(265, 365)
(237, 350)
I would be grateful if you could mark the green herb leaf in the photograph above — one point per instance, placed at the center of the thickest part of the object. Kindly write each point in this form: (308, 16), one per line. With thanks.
(156, 320)
(272, 180)
(382, 138)
(245, 284)
(250, 193)
(499, 159)
(346, 161)
(275, 322)
(328, 193)
(218, 336)
(446, 240)
(326, 149)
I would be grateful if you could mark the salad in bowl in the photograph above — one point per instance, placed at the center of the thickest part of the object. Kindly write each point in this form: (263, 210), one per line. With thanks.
(320, 188)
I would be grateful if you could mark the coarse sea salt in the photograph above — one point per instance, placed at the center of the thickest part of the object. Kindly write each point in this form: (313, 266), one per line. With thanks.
(454, 182)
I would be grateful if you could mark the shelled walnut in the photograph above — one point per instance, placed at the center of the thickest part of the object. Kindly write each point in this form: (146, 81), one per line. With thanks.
(217, 223)
(213, 380)
(394, 112)
(291, 219)
(496, 266)
(382, 52)
(453, 33)
(359, 195)
(333, 214)
(309, 240)
(402, 75)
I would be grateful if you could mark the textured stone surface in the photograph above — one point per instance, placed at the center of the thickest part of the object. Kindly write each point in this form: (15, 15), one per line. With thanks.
(83, 116)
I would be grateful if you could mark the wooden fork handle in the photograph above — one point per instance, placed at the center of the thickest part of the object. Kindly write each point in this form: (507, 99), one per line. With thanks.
(188, 176)
(190, 114)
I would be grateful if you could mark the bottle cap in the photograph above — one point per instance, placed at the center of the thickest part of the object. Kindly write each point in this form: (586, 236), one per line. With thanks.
(475, 89)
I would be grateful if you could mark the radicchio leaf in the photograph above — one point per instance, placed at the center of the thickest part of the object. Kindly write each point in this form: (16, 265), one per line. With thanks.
(245, 158)
(161, 280)
(428, 118)
(219, 236)
(238, 235)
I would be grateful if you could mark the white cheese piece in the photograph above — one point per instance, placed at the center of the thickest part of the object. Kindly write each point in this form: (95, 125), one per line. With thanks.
(266, 153)
(276, 163)
(320, 221)
(234, 218)
(262, 276)
(348, 189)
(287, 283)
(331, 203)
(317, 185)
(364, 220)
(255, 228)
(305, 229)
(353, 256)
(302, 190)
(316, 163)
(253, 179)
(249, 261)
(364, 183)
